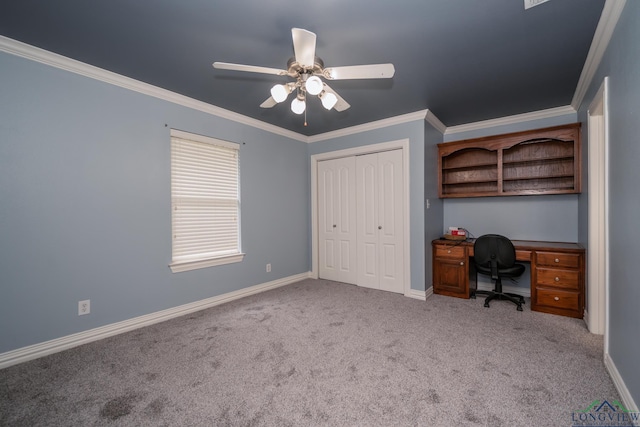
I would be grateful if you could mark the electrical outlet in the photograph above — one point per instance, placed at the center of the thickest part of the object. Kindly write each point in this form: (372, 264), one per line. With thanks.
(268, 268)
(84, 307)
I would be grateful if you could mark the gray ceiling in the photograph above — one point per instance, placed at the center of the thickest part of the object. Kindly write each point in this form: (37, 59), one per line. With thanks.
(465, 60)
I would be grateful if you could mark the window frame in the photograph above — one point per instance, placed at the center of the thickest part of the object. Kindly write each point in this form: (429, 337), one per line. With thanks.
(203, 260)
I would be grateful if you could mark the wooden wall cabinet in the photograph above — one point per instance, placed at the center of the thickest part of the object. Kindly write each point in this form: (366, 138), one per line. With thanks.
(541, 161)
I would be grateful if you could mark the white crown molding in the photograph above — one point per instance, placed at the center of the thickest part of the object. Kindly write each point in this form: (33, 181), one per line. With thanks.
(608, 21)
(24, 50)
(607, 24)
(35, 351)
(509, 120)
(391, 121)
(435, 122)
(42, 56)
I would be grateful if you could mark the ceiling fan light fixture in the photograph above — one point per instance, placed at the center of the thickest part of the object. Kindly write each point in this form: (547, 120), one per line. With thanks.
(280, 92)
(298, 105)
(313, 85)
(308, 71)
(328, 99)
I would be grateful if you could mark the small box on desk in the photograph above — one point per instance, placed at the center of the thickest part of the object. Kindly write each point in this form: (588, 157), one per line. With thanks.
(456, 233)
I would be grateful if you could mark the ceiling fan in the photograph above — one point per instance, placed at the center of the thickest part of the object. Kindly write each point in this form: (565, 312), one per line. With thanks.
(306, 69)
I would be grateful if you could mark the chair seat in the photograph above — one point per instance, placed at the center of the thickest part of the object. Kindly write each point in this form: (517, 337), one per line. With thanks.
(495, 257)
(513, 271)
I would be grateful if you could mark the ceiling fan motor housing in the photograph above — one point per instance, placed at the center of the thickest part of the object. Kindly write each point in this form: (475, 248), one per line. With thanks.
(295, 69)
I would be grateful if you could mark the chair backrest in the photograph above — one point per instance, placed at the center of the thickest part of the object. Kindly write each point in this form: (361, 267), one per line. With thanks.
(494, 247)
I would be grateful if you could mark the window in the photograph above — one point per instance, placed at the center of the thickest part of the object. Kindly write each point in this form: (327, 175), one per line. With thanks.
(205, 202)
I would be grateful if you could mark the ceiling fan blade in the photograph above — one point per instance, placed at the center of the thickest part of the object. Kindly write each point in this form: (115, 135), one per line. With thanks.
(341, 105)
(304, 46)
(270, 102)
(248, 68)
(372, 71)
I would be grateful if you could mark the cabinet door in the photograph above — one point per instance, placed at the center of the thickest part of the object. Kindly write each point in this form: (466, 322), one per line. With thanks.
(450, 277)
(380, 224)
(337, 220)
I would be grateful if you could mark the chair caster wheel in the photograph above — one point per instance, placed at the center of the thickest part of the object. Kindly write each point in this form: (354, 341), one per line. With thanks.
(486, 304)
(519, 308)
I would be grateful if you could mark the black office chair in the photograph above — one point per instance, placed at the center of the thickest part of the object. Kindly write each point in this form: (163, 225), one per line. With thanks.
(495, 256)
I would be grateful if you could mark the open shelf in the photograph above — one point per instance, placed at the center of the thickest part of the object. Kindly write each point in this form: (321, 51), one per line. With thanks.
(542, 161)
(474, 166)
(525, 161)
(525, 178)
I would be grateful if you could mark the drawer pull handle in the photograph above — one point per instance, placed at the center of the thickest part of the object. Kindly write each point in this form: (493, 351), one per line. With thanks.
(556, 298)
(461, 262)
(556, 260)
(449, 251)
(557, 279)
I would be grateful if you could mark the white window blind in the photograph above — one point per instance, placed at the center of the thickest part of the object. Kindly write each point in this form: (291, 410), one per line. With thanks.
(205, 201)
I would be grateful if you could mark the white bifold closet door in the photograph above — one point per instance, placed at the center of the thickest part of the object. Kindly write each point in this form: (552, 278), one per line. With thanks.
(380, 220)
(337, 220)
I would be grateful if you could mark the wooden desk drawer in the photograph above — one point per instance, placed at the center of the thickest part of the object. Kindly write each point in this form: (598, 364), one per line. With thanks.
(450, 251)
(558, 278)
(523, 255)
(558, 259)
(555, 298)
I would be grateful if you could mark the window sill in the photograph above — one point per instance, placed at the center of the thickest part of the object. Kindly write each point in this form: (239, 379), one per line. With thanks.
(180, 266)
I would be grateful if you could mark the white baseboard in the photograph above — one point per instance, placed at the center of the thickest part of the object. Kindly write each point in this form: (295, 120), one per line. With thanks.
(585, 318)
(35, 351)
(525, 292)
(416, 294)
(428, 292)
(627, 399)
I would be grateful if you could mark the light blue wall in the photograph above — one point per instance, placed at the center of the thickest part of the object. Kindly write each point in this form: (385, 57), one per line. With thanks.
(434, 210)
(551, 218)
(85, 204)
(414, 131)
(621, 63)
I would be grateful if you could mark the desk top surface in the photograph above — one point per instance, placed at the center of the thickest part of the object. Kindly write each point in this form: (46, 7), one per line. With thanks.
(522, 244)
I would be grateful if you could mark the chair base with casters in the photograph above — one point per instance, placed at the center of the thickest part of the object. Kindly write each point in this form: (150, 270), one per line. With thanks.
(495, 257)
(497, 294)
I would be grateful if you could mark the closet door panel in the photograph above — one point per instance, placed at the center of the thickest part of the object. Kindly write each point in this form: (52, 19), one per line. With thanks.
(367, 220)
(391, 219)
(337, 220)
(326, 220)
(346, 212)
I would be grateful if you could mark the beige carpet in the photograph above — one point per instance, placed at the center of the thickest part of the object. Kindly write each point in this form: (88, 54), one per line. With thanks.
(322, 353)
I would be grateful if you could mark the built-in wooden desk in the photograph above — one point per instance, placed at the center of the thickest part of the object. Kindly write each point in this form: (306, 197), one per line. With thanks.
(557, 273)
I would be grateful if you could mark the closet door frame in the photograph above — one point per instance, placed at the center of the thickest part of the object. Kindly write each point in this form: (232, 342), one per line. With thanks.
(365, 149)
